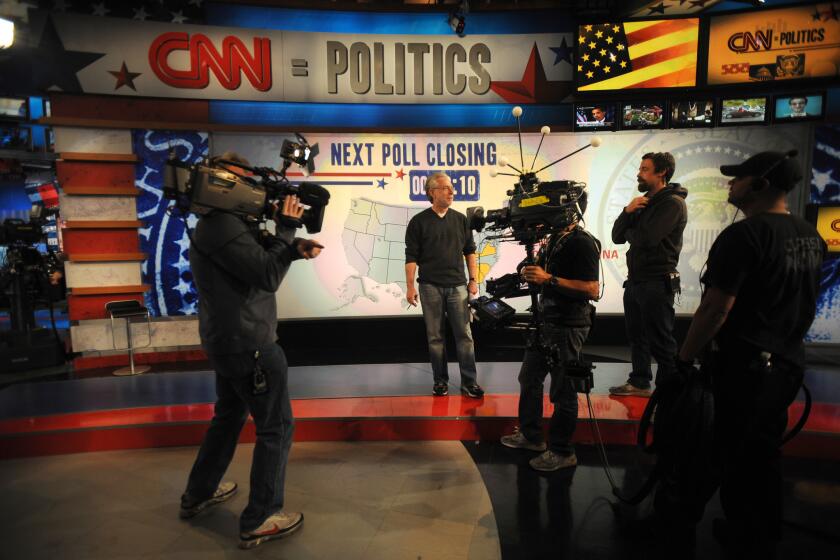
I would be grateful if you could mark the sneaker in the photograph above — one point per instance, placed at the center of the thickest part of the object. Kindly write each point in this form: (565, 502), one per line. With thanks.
(628, 389)
(224, 492)
(472, 391)
(518, 441)
(551, 461)
(440, 390)
(275, 527)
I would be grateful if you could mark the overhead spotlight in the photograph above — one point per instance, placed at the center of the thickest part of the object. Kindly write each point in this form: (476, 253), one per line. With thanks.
(7, 33)
(458, 18)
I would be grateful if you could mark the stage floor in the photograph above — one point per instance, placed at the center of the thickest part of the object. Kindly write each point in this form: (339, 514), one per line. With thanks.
(380, 467)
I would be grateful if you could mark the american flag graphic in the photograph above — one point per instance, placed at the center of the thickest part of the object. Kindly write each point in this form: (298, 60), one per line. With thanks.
(638, 54)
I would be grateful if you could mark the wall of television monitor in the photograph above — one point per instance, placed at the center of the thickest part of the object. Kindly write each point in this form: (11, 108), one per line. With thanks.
(699, 112)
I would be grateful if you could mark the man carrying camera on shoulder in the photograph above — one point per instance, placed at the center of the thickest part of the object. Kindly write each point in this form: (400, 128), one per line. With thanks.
(567, 273)
(237, 269)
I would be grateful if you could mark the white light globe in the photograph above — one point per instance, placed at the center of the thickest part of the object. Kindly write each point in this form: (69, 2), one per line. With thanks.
(546, 130)
(503, 161)
(517, 111)
(595, 142)
(493, 172)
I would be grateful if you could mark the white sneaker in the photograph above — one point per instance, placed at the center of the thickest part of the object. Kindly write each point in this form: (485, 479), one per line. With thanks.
(276, 526)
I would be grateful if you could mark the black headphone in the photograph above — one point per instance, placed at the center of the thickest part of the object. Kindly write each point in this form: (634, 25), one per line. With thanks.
(762, 182)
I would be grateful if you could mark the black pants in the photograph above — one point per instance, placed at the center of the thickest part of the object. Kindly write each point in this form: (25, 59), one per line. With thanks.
(649, 320)
(751, 405)
(562, 394)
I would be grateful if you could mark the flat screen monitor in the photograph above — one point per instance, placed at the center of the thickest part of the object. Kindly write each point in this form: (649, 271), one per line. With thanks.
(692, 113)
(799, 107)
(743, 111)
(15, 138)
(15, 108)
(648, 54)
(594, 116)
(636, 116)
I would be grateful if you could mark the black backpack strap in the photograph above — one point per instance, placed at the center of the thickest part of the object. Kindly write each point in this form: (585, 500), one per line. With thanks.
(806, 412)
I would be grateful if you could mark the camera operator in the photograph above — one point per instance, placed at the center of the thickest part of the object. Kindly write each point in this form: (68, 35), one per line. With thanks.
(653, 224)
(761, 286)
(567, 272)
(237, 270)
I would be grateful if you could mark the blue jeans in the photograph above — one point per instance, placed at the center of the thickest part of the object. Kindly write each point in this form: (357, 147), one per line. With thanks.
(562, 394)
(438, 303)
(272, 413)
(649, 319)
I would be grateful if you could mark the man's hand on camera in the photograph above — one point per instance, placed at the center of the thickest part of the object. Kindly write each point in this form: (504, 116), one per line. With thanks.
(289, 214)
(535, 275)
(411, 296)
(636, 204)
(309, 248)
(472, 287)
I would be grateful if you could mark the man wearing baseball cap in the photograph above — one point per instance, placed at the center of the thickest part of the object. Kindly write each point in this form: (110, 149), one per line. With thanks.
(759, 300)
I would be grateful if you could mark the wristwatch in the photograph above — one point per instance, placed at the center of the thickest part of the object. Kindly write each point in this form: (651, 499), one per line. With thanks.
(554, 281)
(472, 279)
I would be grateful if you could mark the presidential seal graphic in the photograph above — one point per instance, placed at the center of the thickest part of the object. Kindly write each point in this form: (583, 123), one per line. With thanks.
(164, 237)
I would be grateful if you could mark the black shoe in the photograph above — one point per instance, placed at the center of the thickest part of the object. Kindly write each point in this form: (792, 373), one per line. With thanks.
(472, 391)
(440, 390)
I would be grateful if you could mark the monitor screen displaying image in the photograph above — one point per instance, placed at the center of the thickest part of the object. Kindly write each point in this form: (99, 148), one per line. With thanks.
(797, 108)
(594, 116)
(14, 108)
(693, 113)
(743, 111)
(636, 116)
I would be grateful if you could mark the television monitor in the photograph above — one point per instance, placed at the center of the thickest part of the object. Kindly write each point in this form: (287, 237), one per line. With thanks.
(692, 113)
(15, 138)
(14, 108)
(737, 111)
(649, 54)
(594, 116)
(642, 115)
(799, 107)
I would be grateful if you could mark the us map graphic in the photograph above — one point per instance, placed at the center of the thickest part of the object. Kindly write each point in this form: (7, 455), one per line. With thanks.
(374, 244)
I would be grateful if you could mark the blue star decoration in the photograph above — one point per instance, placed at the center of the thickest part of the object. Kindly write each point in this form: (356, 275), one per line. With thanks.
(380, 183)
(563, 52)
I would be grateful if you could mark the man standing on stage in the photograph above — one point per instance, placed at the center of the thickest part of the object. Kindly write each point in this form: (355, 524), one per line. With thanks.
(761, 288)
(653, 224)
(437, 241)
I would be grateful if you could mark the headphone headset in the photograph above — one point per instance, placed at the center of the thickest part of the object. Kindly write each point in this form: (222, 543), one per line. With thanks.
(762, 182)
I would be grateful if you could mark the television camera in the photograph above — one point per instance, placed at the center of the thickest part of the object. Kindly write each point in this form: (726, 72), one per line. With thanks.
(534, 211)
(251, 192)
(24, 285)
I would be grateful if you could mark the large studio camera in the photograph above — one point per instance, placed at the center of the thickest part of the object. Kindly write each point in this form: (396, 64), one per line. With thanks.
(25, 286)
(219, 184)
(533, 211)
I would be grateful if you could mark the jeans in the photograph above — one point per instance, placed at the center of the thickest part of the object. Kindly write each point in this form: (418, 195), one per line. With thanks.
(562, 394)
(649, 320)
(439, 302)
(272, 413)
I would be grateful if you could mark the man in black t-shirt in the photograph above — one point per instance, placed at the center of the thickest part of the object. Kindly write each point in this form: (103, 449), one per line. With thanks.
(567, 271)
(437, 241)
(760, 295)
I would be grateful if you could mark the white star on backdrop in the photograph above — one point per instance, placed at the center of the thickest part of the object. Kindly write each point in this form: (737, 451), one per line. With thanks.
(823, 179)
(100, 9)
(178, 17)
(141, 14)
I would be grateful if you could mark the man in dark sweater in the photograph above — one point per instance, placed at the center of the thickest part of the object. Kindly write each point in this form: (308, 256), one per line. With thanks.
(237, 270)
(761, 289)
(653, 224)
(437, 241)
